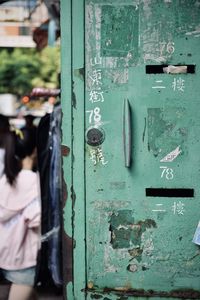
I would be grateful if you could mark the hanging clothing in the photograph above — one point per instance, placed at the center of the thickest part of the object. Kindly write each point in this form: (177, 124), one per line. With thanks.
(55, 187)
(2, 155)
(49, 165)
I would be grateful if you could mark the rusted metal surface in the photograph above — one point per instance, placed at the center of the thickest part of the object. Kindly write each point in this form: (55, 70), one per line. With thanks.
(67, 246)
(177, 294)
(65, 150)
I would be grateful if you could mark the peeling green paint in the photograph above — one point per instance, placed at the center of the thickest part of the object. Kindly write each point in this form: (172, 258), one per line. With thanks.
(167, 129)
(80, 73)
(136, 253)
(74, 103)
(132, 268)
(119, 31)
(125, 231)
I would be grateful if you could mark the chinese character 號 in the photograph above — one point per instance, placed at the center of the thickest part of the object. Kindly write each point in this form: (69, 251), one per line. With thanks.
(100, 156)
(93, 156)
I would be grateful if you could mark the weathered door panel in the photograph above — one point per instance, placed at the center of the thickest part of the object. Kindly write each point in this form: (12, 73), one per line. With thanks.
(141, 214)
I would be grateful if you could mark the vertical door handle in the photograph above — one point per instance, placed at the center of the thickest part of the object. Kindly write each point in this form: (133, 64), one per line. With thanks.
(127, 133)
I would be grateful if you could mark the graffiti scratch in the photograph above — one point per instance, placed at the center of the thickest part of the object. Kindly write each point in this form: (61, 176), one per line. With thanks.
(172, 155)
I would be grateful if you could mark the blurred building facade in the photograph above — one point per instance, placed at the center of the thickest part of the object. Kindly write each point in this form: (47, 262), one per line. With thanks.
(29, 23)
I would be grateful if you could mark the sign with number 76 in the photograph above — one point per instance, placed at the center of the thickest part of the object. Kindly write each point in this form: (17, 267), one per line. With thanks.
(167, 173)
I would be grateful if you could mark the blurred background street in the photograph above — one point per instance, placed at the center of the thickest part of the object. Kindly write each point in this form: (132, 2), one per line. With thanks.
(30, 77)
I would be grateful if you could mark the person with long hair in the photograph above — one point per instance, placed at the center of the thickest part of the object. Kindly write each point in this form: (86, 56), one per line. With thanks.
(20, 214)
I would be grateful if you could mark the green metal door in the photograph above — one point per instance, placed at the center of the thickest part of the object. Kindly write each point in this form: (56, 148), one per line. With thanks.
(142, 149)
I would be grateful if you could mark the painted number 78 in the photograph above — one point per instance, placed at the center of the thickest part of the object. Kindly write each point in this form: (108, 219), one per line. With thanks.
(94, 115)
(167, 173)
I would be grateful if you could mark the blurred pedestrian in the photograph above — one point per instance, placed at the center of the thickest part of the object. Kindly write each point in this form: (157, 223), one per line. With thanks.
(29, 119)
(20, 215)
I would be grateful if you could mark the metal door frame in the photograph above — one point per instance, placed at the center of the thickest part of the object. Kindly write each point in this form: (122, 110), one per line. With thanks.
(72, 98)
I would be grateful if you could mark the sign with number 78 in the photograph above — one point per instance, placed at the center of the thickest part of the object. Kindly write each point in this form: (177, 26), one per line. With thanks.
(167, 173)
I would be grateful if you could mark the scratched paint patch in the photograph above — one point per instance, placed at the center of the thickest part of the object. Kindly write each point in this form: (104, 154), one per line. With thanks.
(167, 130)
(117, 185)
(125, 231)
(103, 72)
(116, 79)
(172, 155)
(119, 31)
(157, 38)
